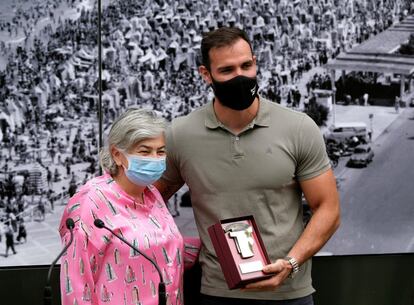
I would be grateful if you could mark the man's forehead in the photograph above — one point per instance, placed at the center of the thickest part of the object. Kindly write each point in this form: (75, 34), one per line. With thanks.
(232, 54)
(237, 45)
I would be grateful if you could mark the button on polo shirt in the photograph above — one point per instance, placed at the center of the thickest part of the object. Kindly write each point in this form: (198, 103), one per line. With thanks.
(253, 173)
(237, 151)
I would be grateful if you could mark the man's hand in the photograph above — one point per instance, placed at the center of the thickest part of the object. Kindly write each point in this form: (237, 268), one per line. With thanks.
(281, 270)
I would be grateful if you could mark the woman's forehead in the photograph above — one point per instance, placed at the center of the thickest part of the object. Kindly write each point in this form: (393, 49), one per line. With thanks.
(155, 142)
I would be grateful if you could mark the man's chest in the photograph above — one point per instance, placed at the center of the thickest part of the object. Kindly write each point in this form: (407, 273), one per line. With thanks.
(220, 162)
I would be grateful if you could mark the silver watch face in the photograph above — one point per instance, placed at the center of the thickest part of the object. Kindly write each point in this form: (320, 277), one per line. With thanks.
(295, 266)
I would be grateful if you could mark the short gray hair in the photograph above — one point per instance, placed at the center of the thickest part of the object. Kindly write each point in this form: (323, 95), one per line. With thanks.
(131, 127)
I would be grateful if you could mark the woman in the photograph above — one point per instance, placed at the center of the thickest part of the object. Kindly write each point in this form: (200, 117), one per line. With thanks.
(100, 269)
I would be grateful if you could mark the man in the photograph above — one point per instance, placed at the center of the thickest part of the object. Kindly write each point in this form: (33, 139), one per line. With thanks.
(9, 240)
(243, 155)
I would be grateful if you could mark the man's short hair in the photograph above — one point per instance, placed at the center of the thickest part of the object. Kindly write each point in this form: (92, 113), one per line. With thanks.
(221, 37)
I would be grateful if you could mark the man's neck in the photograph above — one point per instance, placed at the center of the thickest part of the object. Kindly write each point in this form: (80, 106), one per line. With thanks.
(236, 120)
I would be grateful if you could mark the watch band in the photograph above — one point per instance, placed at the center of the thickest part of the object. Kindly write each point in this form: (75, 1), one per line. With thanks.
(295, 266)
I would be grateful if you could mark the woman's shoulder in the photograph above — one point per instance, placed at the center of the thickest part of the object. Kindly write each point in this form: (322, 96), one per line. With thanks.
(83, 206)
(85, 191)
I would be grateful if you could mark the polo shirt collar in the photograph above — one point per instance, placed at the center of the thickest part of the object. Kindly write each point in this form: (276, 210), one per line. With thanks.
(211, 120)
(262, 118)
(263, 115)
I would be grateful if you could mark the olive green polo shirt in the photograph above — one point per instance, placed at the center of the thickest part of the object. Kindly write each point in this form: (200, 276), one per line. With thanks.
(253, 173)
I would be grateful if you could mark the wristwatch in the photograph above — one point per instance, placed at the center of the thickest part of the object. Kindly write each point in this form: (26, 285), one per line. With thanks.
(295, 266)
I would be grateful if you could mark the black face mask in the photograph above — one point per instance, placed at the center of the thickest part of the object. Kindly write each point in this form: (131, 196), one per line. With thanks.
(237, 93)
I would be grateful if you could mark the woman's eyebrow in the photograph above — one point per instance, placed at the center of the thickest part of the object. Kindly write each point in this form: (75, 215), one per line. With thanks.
(149, 147)
(144, 146)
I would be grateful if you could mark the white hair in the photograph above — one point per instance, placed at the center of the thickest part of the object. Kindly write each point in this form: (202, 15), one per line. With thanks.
(131, 127)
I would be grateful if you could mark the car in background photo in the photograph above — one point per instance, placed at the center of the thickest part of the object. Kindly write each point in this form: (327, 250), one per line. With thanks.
(362, 155)
(342, 132)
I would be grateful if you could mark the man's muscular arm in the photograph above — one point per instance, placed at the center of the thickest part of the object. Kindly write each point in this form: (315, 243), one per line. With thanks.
(167, 189)
(322, 197)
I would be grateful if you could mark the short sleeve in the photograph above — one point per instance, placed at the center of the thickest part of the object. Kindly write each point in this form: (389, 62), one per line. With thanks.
(312, 159)
(172, 173)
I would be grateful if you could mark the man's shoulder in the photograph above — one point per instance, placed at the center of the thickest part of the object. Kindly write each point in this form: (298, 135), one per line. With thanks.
(194, 118)
(279, 111)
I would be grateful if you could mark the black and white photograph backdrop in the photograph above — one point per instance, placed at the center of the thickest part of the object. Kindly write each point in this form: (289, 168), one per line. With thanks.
(347, 64)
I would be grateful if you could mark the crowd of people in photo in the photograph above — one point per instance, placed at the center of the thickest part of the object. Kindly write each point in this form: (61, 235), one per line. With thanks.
(150, 50)
(27, 15)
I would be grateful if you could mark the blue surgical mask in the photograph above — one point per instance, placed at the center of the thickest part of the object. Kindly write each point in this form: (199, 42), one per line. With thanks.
(144, 171)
